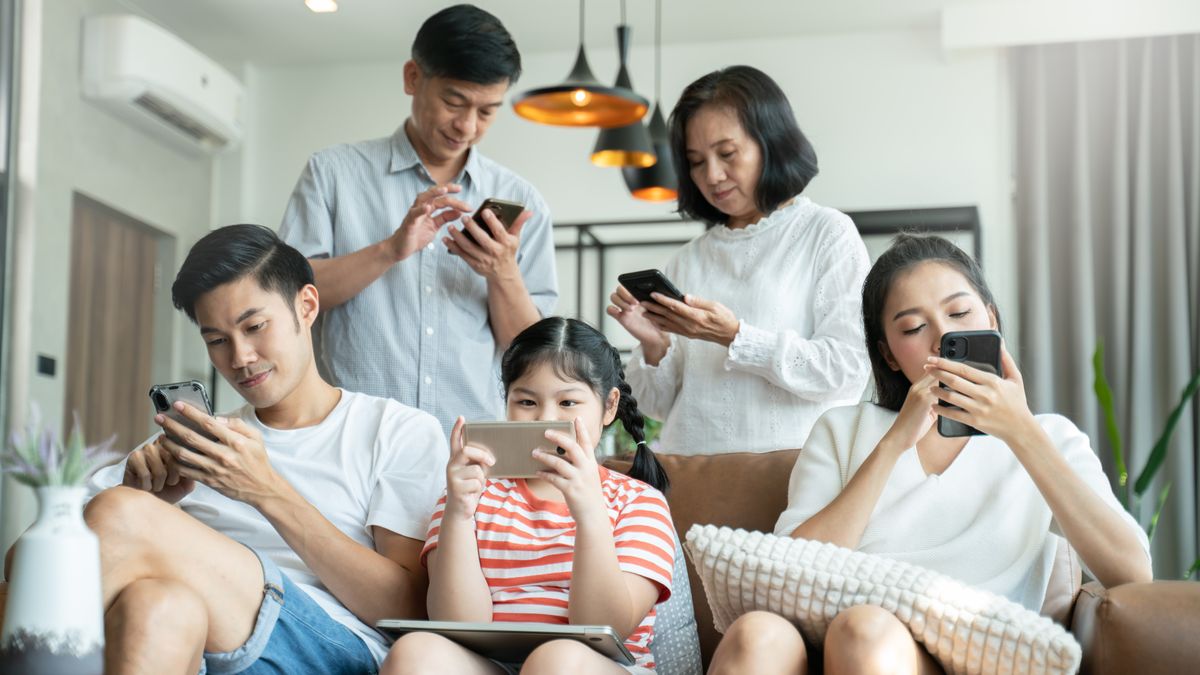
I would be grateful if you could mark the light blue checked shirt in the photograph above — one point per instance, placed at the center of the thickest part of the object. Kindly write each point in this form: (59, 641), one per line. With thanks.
(420, 333)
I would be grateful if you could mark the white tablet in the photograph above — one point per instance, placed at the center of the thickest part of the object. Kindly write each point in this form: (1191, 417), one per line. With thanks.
(512, 642)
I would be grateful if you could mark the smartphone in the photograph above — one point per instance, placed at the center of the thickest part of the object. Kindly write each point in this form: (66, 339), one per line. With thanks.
(513, 443)
(978, 349)
(192, 392)
(506, 211)
(641, 284)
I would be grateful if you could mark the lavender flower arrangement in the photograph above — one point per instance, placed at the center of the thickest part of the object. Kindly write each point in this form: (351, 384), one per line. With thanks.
(37, 458)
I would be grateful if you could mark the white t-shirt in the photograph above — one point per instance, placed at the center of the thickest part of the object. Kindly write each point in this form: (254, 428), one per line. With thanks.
(794, 280)
(981, 521)
(370, 462)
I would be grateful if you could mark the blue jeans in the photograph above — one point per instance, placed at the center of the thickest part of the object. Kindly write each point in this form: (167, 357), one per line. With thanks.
(292, 634)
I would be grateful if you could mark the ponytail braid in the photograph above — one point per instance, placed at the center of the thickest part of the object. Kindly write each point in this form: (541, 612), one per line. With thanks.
(646, 466)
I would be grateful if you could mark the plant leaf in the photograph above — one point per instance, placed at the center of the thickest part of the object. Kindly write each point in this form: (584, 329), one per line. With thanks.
(1162, 499)
(1193, 569)
(1104, 394)
(1159, 454)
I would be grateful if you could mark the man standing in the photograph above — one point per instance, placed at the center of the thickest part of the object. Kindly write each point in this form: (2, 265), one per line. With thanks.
(411, 318)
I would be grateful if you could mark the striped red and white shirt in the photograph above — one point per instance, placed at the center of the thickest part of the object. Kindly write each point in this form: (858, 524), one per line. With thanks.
(526, 548)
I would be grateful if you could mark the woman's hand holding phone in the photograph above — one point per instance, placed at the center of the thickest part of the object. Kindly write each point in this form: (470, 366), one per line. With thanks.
(917, 416)
(466, 475)
(694, 318)
(992, 404)
(631, 314)
(575, 474)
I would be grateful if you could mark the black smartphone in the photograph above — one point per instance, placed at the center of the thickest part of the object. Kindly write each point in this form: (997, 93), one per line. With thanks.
(979, 349)
(193, 392)
(506, 212)
(641, 284)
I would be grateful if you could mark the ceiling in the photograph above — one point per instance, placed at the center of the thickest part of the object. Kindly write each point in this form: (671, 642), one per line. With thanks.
(285, 32)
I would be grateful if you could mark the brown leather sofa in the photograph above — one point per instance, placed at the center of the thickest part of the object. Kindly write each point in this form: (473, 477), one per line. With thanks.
(1138, 628)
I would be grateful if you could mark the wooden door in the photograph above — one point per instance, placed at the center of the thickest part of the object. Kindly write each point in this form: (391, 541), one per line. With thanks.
(111, 326)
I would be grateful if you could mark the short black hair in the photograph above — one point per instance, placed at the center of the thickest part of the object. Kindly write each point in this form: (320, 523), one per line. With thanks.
(906, 252)
(466, 43)
(233, 252)
(789, 160)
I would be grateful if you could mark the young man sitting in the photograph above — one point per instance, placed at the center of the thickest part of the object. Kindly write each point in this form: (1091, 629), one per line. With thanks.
(300, 524)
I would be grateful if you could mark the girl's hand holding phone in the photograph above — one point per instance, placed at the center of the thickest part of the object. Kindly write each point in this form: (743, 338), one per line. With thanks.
(466, 475)
(575, 474)
(995, 405)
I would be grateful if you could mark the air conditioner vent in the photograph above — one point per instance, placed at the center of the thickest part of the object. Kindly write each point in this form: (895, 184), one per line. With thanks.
(167, 113)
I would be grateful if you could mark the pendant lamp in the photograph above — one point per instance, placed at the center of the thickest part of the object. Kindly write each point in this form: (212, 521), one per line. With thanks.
(628, 145)
(657, 183)
(581, 101)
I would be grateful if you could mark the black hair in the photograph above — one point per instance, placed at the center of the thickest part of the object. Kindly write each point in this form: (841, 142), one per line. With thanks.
(906, 252)
(466, 43)
(233, 252)
(789, 161)
(579, 352)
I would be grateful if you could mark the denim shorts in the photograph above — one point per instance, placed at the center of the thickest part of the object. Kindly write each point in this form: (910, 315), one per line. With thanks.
(292, 634)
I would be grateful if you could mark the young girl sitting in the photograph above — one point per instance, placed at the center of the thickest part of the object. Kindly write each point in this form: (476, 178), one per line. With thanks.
(579, 544)
(879, 477)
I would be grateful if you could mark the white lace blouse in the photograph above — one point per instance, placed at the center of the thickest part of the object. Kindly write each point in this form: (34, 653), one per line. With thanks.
(794, 280)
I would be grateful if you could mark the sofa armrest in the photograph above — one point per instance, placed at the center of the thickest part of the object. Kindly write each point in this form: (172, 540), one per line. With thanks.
(1143, 628)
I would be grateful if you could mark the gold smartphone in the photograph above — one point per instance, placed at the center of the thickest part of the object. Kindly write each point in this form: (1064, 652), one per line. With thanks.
(513, 443)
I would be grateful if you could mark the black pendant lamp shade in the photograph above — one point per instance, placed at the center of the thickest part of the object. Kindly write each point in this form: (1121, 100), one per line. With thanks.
(582, 101)
(627, 145)
(657, 183)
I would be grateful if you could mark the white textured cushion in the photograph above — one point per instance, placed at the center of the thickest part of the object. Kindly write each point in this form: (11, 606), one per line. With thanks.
(967, 630)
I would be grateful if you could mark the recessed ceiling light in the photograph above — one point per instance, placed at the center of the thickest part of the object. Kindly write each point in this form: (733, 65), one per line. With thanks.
(321, 6)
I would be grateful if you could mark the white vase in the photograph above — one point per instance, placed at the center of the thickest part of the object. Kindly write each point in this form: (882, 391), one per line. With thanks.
(54, 620)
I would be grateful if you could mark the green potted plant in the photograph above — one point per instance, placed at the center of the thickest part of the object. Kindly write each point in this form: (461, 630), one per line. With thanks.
(1132, 499)
(53, 622)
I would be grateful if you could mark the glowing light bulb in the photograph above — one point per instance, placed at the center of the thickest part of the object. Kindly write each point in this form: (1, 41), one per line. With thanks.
(580, 97)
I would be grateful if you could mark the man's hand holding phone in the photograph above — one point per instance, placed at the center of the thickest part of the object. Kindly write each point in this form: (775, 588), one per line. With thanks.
(488, 241)
(431, 210)
(153, 469)
(235, 464)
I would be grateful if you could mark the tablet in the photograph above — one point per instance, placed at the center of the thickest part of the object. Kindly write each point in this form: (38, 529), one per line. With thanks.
(512, 642)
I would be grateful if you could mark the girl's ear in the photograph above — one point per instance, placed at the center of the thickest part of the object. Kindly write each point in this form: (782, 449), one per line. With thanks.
(992, 316)
(611, 403)
(886, 352)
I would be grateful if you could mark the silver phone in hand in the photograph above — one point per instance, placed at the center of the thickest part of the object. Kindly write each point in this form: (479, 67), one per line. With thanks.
(192, 392)
(513, 443)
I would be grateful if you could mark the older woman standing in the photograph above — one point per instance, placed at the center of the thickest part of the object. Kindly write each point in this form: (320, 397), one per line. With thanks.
(768, 336)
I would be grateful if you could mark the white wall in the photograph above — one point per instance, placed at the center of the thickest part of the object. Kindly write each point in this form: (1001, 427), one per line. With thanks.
(83, 148)
(896, 123)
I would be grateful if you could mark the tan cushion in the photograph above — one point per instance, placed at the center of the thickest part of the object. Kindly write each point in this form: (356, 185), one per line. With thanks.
(743, 489)
(1147, 628)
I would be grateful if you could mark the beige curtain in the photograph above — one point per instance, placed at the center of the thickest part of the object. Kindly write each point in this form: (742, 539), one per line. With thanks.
(1108, 211)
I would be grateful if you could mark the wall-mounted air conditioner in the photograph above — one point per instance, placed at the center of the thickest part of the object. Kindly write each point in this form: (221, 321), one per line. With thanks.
(156, 80)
